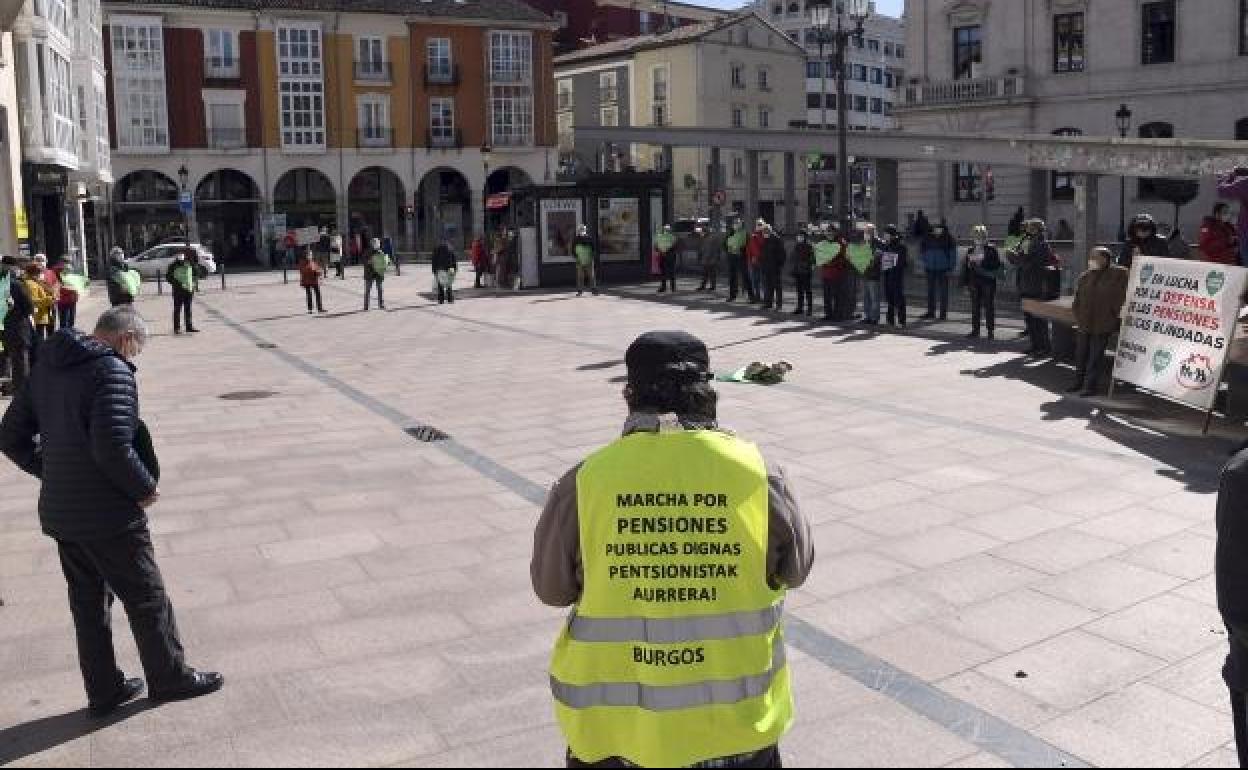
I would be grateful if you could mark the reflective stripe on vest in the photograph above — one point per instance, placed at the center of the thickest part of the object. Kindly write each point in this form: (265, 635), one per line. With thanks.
(675, 653)
(659, 631)
(672, 697)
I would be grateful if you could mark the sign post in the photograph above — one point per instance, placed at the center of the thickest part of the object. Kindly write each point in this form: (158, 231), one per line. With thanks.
(1178, 327)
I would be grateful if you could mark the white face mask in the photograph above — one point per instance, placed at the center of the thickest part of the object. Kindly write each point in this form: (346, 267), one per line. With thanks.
(1097, 264)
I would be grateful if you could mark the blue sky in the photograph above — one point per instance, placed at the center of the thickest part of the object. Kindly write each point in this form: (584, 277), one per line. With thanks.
(890, 7)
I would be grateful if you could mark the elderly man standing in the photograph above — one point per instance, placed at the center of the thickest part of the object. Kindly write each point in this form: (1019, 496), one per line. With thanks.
(77, 430)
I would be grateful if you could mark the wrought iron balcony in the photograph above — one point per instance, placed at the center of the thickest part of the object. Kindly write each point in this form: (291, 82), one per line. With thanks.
(222, 68)
(374, 136)
(965, 91)
(374, 71)
(444, 140)
(441, 76)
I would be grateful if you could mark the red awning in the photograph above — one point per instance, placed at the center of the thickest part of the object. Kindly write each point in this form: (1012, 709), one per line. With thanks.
(498, 201)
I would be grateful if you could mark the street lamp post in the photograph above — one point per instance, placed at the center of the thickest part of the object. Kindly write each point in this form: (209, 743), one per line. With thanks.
(183, 177)
(1123, 116)
(838, 22)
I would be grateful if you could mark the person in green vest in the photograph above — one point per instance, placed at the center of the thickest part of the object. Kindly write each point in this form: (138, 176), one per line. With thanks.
(665, 242)
(738, 274)
(183, 277)
(583, 249)
(375, 266)
(675, 545)
(123, 283)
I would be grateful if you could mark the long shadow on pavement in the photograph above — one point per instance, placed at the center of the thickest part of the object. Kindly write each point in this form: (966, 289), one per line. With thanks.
(40, 735)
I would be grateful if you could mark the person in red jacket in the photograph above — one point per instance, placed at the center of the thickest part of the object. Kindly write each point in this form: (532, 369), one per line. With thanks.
(66, 297)
(1219, 240)
(833, 273)
(480, 263)
(310, 272)
(754, 261)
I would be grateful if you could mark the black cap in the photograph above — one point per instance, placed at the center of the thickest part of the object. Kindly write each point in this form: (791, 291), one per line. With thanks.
(668, 356)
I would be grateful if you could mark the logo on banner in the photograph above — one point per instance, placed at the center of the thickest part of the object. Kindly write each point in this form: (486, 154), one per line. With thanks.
(1161, 360)
(1196, 373)
(1146, 275)
(1214, 283)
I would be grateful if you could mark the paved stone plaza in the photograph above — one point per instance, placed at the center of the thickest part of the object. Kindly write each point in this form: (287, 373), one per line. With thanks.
(1005, 575)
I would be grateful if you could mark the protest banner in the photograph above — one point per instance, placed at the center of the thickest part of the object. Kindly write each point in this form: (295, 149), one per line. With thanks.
(1177, 328)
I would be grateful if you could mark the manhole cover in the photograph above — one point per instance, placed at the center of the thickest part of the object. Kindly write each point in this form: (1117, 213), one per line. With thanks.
(427, 434)
(265, 345)
(247, 395)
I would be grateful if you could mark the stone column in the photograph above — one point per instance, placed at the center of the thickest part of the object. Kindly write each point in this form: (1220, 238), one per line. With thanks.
(751, 188)
(886, 205)
(713, 184)
(669, 214)
(1087, 216)
(790, 192)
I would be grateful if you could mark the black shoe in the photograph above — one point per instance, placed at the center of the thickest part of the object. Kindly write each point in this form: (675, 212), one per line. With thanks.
(192, 331)
(973, 336)
(1077, 387)
(177, 331)
(201, 683)
(799, 311)
(944, 317)
(991, 334)
(927, 317)
(580, 294)
(594, 292)
(1088, 393)
(130, 689)
(662, 290)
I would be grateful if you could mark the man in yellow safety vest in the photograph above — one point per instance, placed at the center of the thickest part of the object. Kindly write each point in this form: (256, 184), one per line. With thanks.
(676, 545)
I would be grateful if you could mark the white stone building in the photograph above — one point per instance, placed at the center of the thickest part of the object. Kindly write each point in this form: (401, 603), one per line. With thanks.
(1066, 66)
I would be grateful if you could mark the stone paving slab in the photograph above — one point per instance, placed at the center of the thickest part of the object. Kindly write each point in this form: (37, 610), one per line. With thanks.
(367, 594)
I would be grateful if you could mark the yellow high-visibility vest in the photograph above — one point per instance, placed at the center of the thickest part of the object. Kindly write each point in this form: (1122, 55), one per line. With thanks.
(675, 653)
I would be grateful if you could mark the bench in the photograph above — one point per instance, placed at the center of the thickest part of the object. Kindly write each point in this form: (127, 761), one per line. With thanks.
(1061, 314)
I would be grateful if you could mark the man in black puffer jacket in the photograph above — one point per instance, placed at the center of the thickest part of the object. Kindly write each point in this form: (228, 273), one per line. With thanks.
(1232, 581)
(77, 429)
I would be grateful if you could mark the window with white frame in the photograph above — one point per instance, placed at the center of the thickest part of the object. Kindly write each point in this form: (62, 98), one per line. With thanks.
(511, 57)
(764, 168)
(764, 79)
(564, 90)
(442, 121)
(224, 119)
(84, 136)
(511, 88)
(370, 58)
(139, 84)
(608, 87)
(738, 116)
(300, 86)
(764, 117)
(609, 116)
(56, 14)
(374, 120)
(103, 161)
(438, 58)
(564, 123)
(659, 93)
(221, 53)
(738, 76)
(738, 167)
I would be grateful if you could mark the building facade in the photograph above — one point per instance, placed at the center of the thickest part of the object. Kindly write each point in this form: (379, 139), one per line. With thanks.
(876, 63)
(58, 64)
(1065, 67)
(731, 73)
(583, 23)
(11, 202)
(377, 118)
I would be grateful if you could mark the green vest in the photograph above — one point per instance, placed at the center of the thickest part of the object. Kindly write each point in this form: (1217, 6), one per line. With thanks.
(380, 262)
(184, 276)
(736, 242)
(675, 652)
(584, 254)
(665, 241)
(130, 280)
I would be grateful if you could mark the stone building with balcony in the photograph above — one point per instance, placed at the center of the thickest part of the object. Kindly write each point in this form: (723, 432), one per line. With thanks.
(1065, 67)
(58, 64)
(733, 73)
(377, 118)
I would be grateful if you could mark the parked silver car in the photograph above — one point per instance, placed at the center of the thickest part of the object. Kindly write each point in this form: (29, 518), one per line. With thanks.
(156, 260)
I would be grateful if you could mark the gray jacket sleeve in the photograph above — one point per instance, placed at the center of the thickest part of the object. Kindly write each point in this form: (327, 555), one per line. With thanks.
(558, 575)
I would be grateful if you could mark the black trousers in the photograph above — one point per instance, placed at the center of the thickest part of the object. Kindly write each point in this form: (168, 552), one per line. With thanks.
(1090, 358)
(769, 757)
(710, 277)
(805, 292)
(739, 277)
(123, 566)
(775, 287)
(895, 296)
(18, 349)
(1038, 331)
(369, 282)
(938, 294)
(983, 305)
(182, 301)
(829, 298)
(445, 294)
(1239, 709)
(668, 264)
(314, 292)
(69, 315)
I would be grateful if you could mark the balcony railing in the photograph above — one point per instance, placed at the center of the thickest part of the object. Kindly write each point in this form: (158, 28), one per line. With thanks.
(966, 91)
(221, 68)
(440, 76)
(374, 71)
(609, 95)
(566, 102)
(442, 139)
(227, 138)
(512, 140)
(509, 74)
(374, 137)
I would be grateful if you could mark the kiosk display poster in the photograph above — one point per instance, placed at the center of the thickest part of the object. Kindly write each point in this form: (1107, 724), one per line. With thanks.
(1178, 326)
(619, 229)
(560, 219)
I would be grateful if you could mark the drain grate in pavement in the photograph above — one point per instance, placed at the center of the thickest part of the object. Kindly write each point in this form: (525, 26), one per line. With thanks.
(247, 395)
(426, 433)
(266, 345)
